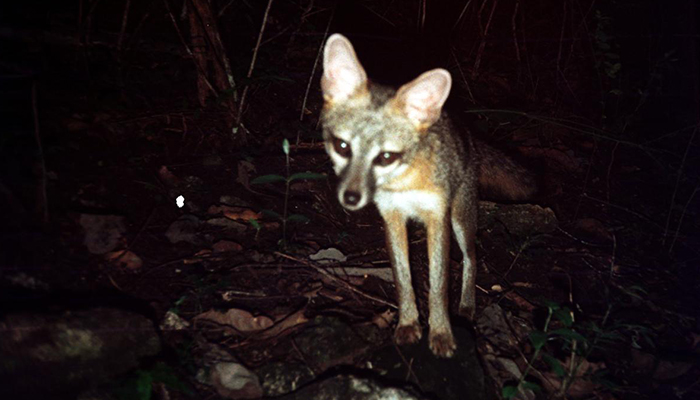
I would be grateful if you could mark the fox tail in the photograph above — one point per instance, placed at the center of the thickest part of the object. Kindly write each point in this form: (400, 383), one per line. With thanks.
(502, 178)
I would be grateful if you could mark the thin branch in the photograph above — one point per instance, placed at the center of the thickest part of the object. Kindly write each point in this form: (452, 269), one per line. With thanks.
(313, 70)
(482, 45)
(338, 280)
(125, 17)
(675, 189)
(680, 222)
(461, 15)
(515, 34)
(252, 62)
(42, 201)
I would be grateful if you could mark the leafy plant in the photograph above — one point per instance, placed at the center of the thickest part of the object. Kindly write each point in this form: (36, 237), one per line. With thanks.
(287, 180)
(578, 346)
(138, 386)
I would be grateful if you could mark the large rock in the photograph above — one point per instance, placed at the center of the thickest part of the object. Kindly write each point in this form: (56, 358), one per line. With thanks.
(58, 354)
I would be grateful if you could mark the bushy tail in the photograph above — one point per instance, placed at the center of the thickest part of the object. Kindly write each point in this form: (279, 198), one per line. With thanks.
(502, 178)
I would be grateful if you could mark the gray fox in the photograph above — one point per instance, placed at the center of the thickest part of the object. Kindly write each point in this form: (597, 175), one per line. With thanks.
(398, 149)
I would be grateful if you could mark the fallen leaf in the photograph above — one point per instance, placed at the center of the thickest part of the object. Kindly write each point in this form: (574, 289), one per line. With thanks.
(520, 301)
(234, 213)
(125, 259)
(284, 324)
(383, 320)
(580, 385)
(168, 177)
(223, 246)
(330, 255)
(239, 320)
(244, 170)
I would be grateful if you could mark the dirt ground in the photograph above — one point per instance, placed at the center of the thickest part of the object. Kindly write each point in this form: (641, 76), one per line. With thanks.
(101, 143)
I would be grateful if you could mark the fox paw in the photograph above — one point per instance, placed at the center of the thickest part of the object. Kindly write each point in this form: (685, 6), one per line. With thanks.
(407, 334)
(442, 344)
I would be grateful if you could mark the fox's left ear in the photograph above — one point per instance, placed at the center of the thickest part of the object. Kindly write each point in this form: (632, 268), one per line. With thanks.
(421, 100)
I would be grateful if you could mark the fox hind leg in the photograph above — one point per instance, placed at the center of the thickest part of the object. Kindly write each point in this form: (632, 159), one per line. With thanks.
(464, 217)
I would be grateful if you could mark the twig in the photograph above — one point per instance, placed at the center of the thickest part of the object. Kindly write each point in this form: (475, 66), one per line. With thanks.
(680, 222)
(515, 34)
(464, 78)
(338, 280)
(612, 257)
(223, 9)
(675, 189)
(459, 19)
(42, 200)
(123, 28)
(612, 161)
(561, 38)
(651, 221)
(421, 14)
(313, 70)
(252, 62)
(480, 52)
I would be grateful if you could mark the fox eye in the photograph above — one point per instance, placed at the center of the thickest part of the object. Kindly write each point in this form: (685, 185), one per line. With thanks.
(386, 158)
(342, 147)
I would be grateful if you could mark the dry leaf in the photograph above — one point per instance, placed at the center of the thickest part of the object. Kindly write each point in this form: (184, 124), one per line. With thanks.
(124, 259)
(240, 320)
(168, 177)
(244, 170)
(580, 386)
(284, 324)
(223, 246)
(383, 320)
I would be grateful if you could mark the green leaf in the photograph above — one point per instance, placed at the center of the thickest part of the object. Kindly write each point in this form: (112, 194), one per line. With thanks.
(554, 364)
(532, 386)
(298, 218)
(564, 315)
(255, 223)
(144, 380)
(551, 305)
(569, 334)
(272, 214)
(268, 179)
(285, 146)
(538, 339)
(307, 175)
(509, 391)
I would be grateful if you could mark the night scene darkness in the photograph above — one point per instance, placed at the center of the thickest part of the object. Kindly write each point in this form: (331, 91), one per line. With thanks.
(338, 199)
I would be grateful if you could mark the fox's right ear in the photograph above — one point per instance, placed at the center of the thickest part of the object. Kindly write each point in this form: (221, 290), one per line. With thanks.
(343, 75)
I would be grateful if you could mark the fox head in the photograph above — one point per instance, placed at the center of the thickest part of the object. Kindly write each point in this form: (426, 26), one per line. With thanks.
(371, 132)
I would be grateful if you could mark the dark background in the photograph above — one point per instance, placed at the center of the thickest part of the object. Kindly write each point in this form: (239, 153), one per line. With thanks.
(601, 98)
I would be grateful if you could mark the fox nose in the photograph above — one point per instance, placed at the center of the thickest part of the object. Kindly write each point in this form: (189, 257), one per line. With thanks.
(351, 198)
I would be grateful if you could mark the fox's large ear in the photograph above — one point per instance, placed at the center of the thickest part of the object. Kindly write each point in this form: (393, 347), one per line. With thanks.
(342, 73)
(421, 100)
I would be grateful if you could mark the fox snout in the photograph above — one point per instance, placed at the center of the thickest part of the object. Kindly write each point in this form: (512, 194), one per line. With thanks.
(356, 188)
(353, 197)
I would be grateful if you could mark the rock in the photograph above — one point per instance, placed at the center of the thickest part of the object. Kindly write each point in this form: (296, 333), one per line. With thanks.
(185, 229)
(521, 219)
(349, 387)
(102, 232)
(52, 355)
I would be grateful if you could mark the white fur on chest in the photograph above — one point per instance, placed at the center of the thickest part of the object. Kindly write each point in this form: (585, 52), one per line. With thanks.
(411, 203)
